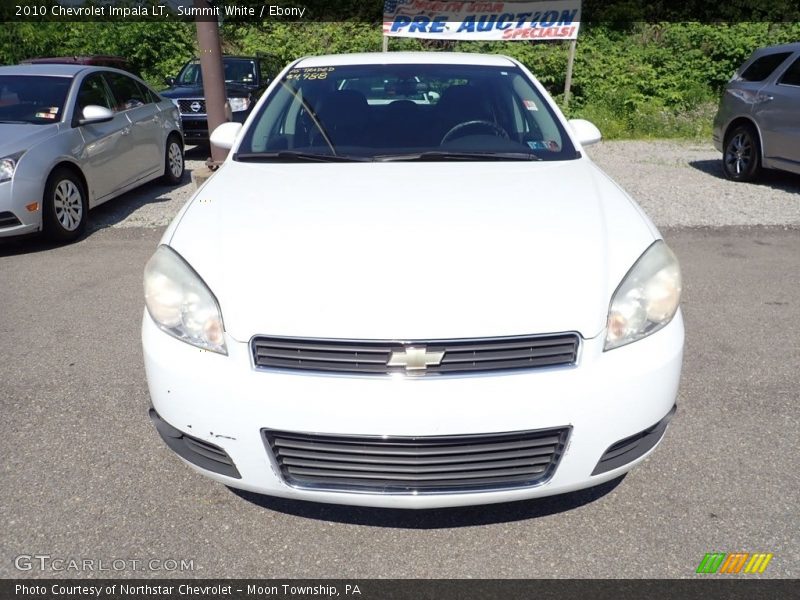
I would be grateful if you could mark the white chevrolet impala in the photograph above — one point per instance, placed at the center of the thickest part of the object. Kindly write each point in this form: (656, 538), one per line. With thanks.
(408, 286)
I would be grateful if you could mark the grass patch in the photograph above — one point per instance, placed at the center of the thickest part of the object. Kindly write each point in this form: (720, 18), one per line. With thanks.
(649, 121)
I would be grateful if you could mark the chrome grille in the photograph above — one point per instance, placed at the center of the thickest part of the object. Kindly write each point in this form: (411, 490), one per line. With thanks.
(185, 106)
(372, 357)
(458, 463)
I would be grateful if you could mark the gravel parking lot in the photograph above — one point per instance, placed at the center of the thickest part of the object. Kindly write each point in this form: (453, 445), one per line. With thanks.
(85, 475)
(679, 184)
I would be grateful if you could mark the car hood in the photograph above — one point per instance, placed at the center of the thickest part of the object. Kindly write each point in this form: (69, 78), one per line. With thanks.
(411, 250)
(196, 91)
(17, 137)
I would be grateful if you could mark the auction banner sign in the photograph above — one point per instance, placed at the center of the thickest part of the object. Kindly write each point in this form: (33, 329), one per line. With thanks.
(444, 20)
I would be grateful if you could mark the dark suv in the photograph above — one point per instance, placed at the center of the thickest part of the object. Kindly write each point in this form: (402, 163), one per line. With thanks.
(246, 78)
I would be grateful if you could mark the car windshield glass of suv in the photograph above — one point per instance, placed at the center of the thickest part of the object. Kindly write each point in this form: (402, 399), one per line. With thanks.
(405, 112)
(32, 98)
(236, 71)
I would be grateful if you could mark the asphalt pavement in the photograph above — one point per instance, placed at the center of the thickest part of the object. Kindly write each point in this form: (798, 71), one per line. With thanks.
(86, 477)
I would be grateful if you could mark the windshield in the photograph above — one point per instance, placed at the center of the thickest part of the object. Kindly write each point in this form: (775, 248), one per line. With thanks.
(236, 71)
(32, 98)
(406, 112)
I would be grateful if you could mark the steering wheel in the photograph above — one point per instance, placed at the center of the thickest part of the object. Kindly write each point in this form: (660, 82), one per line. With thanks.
(480, 123)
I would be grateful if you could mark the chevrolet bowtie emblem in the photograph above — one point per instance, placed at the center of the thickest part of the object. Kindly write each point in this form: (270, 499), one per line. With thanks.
(415, 360)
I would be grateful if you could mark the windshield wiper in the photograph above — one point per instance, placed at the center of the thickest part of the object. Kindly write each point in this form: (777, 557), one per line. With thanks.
(312, 114)
(455, 155)
(295, 156)
(16, 122)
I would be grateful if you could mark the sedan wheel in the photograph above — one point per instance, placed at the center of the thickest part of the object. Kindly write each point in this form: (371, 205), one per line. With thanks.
(742, 159)
(68, 205)
(174, 164)
(65, 206)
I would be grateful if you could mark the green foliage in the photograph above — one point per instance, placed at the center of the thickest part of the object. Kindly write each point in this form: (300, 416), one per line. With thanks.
(664, 79)
(632, 79)
(290, 41)
(156, 49)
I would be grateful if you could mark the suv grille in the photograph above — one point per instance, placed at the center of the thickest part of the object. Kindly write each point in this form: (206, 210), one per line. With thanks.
(406, 465)
(187, 106)
(371, 357)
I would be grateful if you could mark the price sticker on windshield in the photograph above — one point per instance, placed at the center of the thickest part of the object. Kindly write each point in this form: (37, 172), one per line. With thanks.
(309, 73)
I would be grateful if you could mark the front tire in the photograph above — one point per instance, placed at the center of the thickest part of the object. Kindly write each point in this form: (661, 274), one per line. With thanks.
(65, 206)
(174, 163)
(741, 157)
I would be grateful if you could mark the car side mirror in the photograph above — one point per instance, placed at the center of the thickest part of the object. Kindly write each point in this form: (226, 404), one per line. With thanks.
(95, 114)
(585, 131)
(170, 81)
(225, 135)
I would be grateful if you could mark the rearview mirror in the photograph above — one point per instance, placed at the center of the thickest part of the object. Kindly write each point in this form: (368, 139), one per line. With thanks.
(95, 114)
(225, 135)
(585, 131)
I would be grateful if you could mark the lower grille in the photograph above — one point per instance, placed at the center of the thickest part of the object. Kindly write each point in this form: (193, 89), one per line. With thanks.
(382, 357)
(196, 451)
(407, 465)
(8, 219)
(631, 448)
(187, 106)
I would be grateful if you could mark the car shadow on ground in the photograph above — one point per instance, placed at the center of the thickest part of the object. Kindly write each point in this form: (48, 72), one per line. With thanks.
(779, 180)
(438, 518)
(28, 244)
(112, 212)
(117, 210)
(106, 215)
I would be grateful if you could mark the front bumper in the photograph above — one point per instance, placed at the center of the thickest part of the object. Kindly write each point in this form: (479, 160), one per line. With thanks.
(608, 398)
(15, 219)
(717, 132)
(195, 127)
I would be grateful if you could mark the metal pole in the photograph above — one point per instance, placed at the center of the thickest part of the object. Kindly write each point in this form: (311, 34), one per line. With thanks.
(568, 80)
(386, 43)
(213, 75)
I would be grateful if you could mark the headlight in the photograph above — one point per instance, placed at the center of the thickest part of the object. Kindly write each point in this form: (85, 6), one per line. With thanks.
(180, 303)
(647, 298)
(239, 104)
(8, 165)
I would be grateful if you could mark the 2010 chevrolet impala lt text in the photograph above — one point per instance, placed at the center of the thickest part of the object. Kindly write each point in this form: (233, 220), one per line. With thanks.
(408, 286)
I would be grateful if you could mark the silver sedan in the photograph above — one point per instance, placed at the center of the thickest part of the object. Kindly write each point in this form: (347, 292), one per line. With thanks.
(73, 137)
